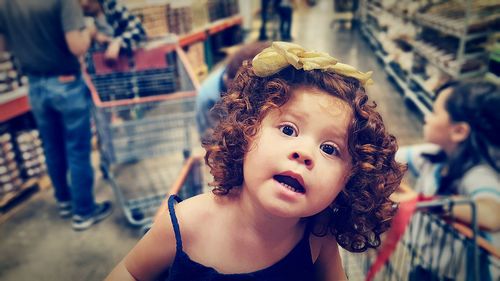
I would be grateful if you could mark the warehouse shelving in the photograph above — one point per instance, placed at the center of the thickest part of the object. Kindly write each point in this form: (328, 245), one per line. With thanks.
(201, 34)
(13, 104)
(457, 64)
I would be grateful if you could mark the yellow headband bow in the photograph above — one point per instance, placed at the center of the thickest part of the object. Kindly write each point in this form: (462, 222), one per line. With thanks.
(281, 54)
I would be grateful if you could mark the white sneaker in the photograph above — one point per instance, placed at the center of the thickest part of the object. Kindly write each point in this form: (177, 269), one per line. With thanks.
(102, 211)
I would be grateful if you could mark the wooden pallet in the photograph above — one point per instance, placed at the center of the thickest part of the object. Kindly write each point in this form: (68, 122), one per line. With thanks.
(28, 188)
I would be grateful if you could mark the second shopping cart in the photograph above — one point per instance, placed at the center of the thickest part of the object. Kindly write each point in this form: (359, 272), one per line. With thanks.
(144, 118)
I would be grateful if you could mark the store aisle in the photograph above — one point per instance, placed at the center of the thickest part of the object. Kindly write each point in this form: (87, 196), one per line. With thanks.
(36, 244)
(313, 29)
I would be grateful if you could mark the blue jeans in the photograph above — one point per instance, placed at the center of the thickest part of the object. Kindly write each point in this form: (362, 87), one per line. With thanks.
(62, 114)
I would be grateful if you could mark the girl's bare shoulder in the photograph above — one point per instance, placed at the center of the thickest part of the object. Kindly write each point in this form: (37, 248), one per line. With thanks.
(198, 213)
(323, 242)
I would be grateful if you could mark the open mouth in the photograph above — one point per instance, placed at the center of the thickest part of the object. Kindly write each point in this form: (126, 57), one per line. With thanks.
(290, 183)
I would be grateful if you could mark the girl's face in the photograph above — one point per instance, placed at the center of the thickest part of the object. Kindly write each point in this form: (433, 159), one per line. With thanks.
(299, 161)
(438, 124)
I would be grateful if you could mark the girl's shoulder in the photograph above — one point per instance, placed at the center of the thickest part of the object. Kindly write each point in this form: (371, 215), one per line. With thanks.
(484, 170)
(198, 214)
(326, 256)
(321, 243)
(194, 210)
(481, 181)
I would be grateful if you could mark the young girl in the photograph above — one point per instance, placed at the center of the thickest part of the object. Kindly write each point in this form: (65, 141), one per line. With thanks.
(462, 157)
(301, 162)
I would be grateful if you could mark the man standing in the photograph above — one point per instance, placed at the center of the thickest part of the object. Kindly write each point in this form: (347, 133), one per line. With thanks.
(47, 37)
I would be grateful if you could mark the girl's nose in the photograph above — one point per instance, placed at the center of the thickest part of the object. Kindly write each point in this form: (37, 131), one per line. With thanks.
(302, 157)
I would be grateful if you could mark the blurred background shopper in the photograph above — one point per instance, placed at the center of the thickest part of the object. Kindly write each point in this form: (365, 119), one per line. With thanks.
(47, 37)
(116, 27)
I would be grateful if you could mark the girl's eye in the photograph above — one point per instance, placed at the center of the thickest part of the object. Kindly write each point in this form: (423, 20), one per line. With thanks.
(329, 149)
(288, 130)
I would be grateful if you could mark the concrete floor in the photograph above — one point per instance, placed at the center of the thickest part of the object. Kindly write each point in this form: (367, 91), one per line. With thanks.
(36, 244)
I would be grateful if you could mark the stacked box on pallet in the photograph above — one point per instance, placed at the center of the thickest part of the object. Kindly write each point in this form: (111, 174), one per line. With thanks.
(31, 156)
(10, 78)
(153, 18)
(219, 9)
(200, 14)
(10, 175)
(213, 11)
(180, 18)
(230, 7)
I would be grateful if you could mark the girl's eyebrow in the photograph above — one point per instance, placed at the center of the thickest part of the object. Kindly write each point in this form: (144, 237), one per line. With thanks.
(297, 115)
(340, 139)
(330, 133)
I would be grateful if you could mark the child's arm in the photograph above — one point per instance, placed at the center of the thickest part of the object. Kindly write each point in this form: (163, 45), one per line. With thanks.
(486, 210)
(152, 255)
(120, 272)
(329, 264)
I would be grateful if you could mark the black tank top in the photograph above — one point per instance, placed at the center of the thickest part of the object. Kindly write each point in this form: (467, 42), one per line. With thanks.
(296, 265)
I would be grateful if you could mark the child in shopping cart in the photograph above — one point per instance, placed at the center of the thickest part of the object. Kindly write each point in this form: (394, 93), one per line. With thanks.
(462, 156)
(301, 163)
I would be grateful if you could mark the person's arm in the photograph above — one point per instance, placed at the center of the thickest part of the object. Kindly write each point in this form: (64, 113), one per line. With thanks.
(487, 211)
(120, 272)
(130, 32)
(132, 35)
(329, 264)
(152, 255)
(480, 184)
(79, 40)
(77, 32)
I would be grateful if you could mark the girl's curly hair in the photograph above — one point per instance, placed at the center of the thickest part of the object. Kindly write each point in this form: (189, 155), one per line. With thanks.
(362, 210)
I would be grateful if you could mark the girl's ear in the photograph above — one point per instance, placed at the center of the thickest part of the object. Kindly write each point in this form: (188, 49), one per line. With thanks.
(460, 132)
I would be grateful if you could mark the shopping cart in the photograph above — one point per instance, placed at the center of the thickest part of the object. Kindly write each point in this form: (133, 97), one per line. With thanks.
(144, 112)
(431, 248)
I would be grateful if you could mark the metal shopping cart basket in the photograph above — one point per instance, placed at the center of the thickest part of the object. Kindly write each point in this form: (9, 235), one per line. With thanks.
(431, 248)
(144, 117)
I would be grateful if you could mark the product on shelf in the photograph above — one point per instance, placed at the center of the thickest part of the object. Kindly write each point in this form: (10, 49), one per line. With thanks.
(10, 78)
(153, 18)
(180, 18)
(219, 9)
(10, 179)
(31, 157)
(447, 61)
(199, 14)
(455, 17)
